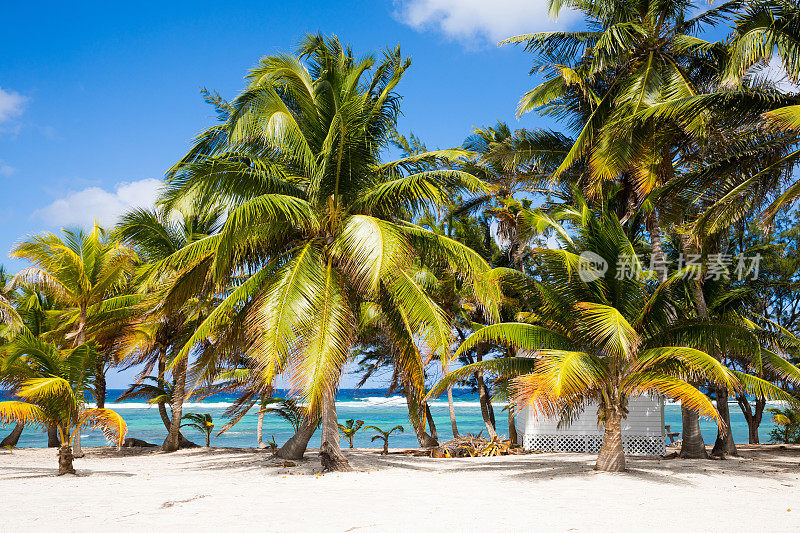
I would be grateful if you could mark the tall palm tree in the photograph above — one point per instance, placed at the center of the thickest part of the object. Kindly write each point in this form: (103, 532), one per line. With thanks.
(594, 338)
(79, 270)
(316, 220)
(156, 335)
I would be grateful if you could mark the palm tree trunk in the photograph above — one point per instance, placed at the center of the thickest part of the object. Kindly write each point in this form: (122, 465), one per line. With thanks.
(162, 407)
(295, 447)
(483, 396)
(260, 429)
(431, 423)
(752, 417)
(425, 440)
(77, 450)
(172, 442)
(724, 444)
(611, 457)
(692, 445)
(65, 458)
(452, 407)
(13, 438)
(330, 453)
(100, 385)
(512, 427)
(52, 437)
(659, 264)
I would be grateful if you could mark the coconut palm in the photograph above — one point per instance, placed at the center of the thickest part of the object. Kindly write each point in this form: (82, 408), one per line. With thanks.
(153, 390)
(349, 429)
(79, 270)
(49, 383)
(384, 436)
(316, 219)
(203, 423)
(594, 338)
(160, 325)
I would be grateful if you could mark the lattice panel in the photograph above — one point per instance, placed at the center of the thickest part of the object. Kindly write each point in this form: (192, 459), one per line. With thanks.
(632, 444)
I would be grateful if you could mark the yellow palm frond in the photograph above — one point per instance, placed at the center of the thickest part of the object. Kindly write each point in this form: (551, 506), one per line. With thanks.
(23, 413)
(654, 383)
(605, 323)
(45, 389)
(109, 422)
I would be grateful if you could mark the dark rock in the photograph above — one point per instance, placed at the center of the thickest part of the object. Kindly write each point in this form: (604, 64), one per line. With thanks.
(137, 443)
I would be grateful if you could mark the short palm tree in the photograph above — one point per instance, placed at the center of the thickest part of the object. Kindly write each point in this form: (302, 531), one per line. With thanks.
(153, 390)
(316, 225)
(788, 421)
(384, 436)
(49, 383)
(350, 428)
(203, 423)
(596, 339)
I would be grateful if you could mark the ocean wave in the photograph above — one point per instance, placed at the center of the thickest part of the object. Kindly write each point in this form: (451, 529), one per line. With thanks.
(366, 402)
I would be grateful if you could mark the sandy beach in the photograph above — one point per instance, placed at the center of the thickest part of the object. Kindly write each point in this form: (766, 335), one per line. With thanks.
(220, 488)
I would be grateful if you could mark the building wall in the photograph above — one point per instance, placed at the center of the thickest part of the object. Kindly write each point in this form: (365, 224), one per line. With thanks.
(642, 431)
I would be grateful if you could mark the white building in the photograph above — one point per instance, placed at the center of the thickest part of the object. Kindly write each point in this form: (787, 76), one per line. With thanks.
(642, 430)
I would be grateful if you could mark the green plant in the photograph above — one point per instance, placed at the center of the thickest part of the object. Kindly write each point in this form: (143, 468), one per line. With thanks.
(788, 422)
(350, 428)
(383, 435)
(202, 422)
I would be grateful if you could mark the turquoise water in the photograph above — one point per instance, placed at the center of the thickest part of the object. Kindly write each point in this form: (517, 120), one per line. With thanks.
(370, 405)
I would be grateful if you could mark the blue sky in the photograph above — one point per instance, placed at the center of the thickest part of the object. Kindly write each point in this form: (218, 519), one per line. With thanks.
(97, 100)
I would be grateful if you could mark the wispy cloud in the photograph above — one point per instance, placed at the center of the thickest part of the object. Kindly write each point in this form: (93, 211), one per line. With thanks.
(82, 208)
(6, 170)
(11, 104)
(479, 20)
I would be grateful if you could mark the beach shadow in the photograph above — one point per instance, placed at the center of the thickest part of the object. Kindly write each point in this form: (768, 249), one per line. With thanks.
(18, 472)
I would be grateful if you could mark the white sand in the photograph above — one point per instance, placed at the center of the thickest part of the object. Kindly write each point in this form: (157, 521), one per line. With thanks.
(218, 489)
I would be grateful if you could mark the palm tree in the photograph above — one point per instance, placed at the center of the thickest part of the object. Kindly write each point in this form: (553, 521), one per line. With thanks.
(349, 429)
(154, 390)
(204, 423)
(158, 332)
(316, 223)
(49, 383)
(79, 270)
(594, 338)
(384, 436)
(788, 420)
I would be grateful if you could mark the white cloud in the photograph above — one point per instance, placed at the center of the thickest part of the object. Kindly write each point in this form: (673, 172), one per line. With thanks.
(83, 207)
(494, 20)
(11, 104)
(5, 169)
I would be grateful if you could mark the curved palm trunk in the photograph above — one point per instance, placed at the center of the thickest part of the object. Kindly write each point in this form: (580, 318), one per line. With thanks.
(611, 457)
(173, 440)
(512, 428)
(425, 440)
(451, 406)
(13, 438)
(724, 444)
(431, 423)
(295, 447)
(65, 457)
(330, 453)
(753, 417)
